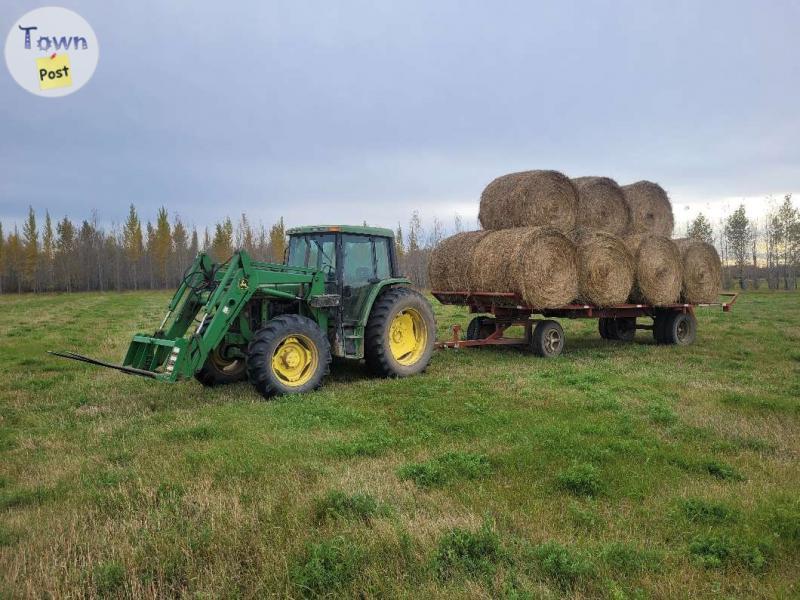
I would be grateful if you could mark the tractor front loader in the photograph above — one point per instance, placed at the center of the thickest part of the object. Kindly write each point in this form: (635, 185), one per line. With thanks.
(278, 325)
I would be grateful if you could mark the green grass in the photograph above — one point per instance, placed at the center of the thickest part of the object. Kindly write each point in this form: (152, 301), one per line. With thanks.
(617, 470)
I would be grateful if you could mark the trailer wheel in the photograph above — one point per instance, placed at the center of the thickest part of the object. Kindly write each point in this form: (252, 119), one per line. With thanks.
(400, 333)
(658, 327)
(602, 326)
(219, 370)
(480, 328)
(623, 328)
(548, 339)
(679, 328)
(289, 355)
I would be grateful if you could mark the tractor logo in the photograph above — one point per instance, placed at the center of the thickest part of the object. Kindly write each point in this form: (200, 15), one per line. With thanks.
(243, 284)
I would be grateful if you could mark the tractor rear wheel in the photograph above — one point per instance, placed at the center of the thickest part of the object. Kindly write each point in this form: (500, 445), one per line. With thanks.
(289, 355)
(400, 333)
(219, 370)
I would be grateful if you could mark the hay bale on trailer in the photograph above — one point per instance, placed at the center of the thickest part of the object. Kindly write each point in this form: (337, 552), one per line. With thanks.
(538, 263)
(605, 267)
(529, 199)
(658, 269)
(602, 205)
(702, 271)
(450, 262)
(651, 210)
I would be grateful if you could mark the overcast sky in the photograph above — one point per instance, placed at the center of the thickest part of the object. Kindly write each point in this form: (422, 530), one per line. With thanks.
(350, 111)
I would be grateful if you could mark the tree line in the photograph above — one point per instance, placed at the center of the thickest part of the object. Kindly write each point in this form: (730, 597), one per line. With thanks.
(755, 252)
(68, 256)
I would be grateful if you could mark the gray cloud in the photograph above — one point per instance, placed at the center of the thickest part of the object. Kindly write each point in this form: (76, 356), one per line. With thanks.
(340, 112)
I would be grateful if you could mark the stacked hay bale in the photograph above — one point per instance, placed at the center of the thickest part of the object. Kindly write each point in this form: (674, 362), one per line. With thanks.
(538, 263)
(658, 269)
(529, 199)
(651, 210)
(602, 205)
(702, 271)
(552, 240)
(605, 267)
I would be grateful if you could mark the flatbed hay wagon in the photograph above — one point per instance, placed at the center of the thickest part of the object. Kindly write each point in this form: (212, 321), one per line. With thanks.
(671, 323)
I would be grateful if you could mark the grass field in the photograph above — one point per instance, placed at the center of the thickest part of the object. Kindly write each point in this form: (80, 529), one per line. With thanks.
(617, 470)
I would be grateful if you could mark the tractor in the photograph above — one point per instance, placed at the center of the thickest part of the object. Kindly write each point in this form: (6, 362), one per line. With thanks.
(339, 293)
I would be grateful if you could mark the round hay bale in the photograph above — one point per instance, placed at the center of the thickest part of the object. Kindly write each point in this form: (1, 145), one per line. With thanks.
(658, 269)
(450, 262)
(529, 199)
(651, 210)
(538, 263)
(605, 268)
(702, 271)
(602, 205)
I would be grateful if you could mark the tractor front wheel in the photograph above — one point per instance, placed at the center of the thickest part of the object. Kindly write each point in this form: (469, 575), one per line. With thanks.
(400, 333)
(219, 370)
(289, 355)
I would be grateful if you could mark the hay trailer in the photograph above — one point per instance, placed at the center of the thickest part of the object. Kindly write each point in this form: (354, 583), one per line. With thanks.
(671, 323)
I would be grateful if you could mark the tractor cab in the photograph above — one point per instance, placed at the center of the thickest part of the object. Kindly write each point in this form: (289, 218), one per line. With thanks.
(358, 262)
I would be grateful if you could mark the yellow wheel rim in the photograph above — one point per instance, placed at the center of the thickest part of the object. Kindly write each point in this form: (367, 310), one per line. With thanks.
(295, 360)
(224, 364)
(408, 336)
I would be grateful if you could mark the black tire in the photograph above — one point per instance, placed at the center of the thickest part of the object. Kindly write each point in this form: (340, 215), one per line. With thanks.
(622, 329)
(658, 326)
(305, 340)
(219, 370)
(480, 328)
(680, 329)
(602, 326)
(548, 339)
(378, 352)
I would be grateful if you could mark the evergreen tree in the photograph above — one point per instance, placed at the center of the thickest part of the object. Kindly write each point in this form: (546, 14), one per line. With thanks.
(277, 241)
(193, 245)
(65, 252)
(163, 245)
(133, 243)
(399, 244)
(222, 246)
(180, 243)
(700, 229)
(14, 259)
(738, 235)
(31, 248)
(48, 252)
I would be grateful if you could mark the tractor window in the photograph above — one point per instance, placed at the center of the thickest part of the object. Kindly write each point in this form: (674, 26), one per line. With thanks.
(313, 251)
(359, 267)
(382, 258)
(298, 250)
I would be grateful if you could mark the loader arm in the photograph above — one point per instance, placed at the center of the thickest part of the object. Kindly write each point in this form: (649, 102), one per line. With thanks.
(203, 315)
(204, 307)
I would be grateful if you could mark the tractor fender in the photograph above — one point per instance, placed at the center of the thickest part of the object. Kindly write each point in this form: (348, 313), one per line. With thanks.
(376, 291)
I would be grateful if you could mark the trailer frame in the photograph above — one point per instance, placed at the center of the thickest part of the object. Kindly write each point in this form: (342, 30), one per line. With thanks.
(509, 310)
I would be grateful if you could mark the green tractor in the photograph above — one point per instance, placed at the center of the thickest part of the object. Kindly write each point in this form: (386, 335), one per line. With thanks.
(340, 294)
